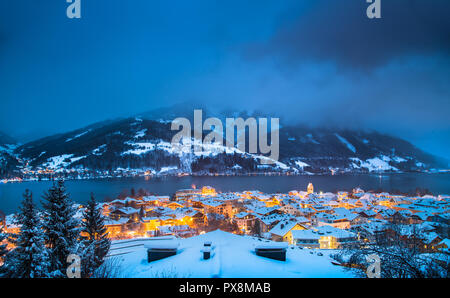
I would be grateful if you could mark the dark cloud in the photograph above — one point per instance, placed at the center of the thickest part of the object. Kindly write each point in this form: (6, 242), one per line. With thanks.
(124, 58)
(340, 32)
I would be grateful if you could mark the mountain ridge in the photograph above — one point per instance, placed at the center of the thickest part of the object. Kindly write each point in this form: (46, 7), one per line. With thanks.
(142, 145)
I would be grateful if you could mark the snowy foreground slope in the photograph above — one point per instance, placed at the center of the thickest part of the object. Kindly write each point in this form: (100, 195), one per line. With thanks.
(233, 257)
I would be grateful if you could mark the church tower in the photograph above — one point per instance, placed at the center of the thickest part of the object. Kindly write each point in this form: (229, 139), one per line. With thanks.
(310, 188)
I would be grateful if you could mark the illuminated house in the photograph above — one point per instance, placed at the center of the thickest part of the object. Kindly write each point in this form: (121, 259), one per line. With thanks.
(325, 237)
(127, 212)
(155, 200)
(307, 212)
(128, 202)
(174, 205)
(264, 211)
(368, 213)
(273, 201)
(168, 221)
(322, 209)
(182, 231)
(370, 231)
(291, 208)
(186, 194)
(251, 194)
(444, 246)
(267, 222)
(218, 207)
(282, 232)
(384, 214)
(190, 217)
(383, 201)
(342, 195)
(335, 220)
(116, 228)
(149, 223)
(207, 190)
(245, 221)
(106, 209)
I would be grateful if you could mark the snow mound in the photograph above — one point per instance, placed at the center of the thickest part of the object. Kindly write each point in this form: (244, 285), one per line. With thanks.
(234, 256)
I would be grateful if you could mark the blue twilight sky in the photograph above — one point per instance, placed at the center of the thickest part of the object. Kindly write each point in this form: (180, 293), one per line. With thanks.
(321, 62)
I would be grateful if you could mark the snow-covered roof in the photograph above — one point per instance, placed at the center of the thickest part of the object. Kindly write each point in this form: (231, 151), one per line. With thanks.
(265, 210)
(445, 242)
(121, 221)
(374, 226)
(162, 244)
(212, 203)
(369, 212)
(128, 210)
(335, 217)
(272, 218)
(271, 245)
(283, 227)
(316, 233)
(241, 215)
(155, 198)
(430, 237)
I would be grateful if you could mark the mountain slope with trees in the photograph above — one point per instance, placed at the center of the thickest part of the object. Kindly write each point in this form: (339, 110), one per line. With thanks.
(143, 144)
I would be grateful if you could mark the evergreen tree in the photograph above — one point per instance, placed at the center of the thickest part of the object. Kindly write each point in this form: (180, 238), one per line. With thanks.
(29, 258)
(61, 228)
(95, 238)
(3, 249)
(3, 237)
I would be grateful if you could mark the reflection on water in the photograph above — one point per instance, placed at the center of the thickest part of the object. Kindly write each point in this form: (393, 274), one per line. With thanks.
(11, 193)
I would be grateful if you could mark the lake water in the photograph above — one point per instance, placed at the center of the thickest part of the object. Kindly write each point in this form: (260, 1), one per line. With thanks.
(11, 193)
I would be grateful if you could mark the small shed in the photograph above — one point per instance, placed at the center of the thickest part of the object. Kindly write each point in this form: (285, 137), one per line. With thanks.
(272, 250)
(161, 249)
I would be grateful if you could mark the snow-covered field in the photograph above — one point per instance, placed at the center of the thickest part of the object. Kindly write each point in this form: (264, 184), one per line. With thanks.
(233, 256)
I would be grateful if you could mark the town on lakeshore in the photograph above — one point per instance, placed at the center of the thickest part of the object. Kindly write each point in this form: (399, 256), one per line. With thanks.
(224, 140)
(303, 218)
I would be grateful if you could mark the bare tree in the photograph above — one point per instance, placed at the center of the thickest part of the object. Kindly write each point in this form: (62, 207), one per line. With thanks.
(109, 269)
(402, 255)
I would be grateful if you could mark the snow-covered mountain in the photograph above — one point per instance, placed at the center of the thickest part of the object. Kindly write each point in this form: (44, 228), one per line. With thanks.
(8, 160)
(143, 144)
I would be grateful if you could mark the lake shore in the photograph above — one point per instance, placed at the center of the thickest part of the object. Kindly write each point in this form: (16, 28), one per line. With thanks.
(108, 188)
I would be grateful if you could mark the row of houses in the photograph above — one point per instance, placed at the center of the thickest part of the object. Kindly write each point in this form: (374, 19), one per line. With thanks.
(334, 220)
(303, 218)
